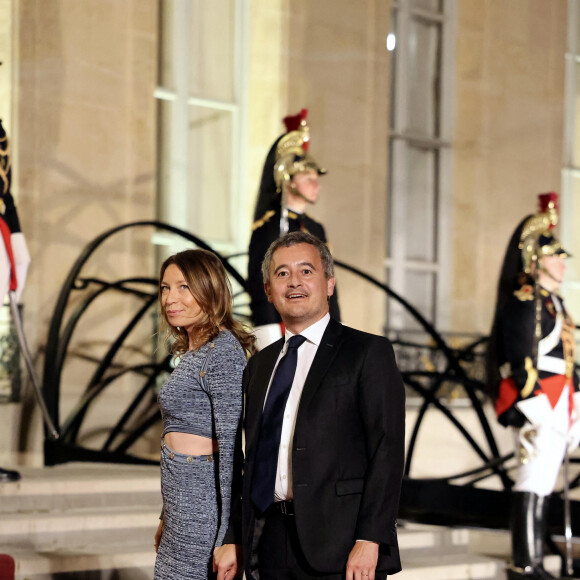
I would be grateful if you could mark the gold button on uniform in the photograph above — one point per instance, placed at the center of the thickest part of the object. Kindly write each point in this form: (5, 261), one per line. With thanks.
(202, 373)
(189, 459)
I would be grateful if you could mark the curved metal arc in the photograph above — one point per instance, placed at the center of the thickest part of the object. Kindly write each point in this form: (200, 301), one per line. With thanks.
(470, 386)
(118, 428)
(429, 328)
(576, 481)
(91, 394)
(73, 320)
(140, 430)
(413, 311)
(453, 356)
(473, 345)
(472, 482)
(434, 401)
(73, 427)
(121, 285)
(108, 358)
(437, 381)
(478, 407)
(498, 461)
(51, 376)
(418, 421)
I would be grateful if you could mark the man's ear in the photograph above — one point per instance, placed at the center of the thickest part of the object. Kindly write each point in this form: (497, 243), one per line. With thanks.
(268, 291)
(330, 286)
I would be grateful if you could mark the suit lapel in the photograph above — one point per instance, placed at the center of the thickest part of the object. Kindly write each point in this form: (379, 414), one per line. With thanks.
(331, 340)
(258, 386)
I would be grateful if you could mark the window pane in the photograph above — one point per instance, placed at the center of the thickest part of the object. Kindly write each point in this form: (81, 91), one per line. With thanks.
(212, 49)
(392, 88)
(424, 79)
(420, 293)
(210, 173)
(390, 200)
(421, 205)
(164, 151)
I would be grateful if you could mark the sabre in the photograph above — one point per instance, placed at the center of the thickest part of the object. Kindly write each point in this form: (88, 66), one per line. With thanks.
(52, 432)
(14, 265)
(568, 517)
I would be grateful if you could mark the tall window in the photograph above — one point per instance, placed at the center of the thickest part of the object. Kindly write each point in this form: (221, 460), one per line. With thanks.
(201, 92)
(570, 196)
(422, 44)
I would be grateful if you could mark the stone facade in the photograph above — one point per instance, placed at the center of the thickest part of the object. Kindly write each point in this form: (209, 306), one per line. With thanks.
(508, 138)
(77, 98)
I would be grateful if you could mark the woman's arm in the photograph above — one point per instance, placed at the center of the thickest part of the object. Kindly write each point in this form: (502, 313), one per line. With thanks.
(224, 380)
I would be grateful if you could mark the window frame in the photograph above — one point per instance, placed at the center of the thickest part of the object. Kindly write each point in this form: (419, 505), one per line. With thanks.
(175, 195)
(400, 139)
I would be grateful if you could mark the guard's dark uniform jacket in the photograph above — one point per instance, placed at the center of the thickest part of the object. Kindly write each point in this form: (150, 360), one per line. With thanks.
(265, 231)
(521, 379)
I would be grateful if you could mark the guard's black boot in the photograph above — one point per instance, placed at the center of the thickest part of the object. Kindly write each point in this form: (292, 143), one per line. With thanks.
(527, 528)
(8, 475)
(541, 530)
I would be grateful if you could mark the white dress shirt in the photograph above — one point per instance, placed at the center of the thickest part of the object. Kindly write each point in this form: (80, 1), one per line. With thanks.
(306, 352)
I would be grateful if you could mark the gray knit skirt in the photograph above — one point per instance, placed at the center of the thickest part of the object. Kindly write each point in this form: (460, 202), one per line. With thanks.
(188, 487)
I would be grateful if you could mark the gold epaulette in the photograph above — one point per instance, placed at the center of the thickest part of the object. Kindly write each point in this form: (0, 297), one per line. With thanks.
(264, 219)
(531, 380)
(525, 293)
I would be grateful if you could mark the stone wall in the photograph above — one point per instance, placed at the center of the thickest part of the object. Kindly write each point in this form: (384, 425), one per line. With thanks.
(84, 142)
(79, 108)
(339, 70)
(508, 138)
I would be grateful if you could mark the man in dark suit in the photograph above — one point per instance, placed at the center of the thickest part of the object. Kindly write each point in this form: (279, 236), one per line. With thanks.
(321, 482)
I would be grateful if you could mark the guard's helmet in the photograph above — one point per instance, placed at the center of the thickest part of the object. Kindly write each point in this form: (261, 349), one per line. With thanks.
(287, 157)
(292, 155)
(537, 238)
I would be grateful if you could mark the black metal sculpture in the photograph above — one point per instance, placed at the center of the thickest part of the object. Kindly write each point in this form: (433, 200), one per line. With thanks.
(434, 500)
(83, 292)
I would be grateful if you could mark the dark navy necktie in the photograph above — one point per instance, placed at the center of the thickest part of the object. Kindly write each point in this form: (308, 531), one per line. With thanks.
(266, 461)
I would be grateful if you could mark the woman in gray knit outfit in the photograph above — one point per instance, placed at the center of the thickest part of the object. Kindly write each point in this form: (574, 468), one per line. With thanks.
(201, 404)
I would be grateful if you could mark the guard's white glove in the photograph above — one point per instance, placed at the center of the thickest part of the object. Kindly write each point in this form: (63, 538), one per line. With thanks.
(528, 437)
(537, 411)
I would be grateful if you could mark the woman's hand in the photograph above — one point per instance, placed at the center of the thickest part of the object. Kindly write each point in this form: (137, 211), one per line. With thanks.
(227, 561)
(158, 534)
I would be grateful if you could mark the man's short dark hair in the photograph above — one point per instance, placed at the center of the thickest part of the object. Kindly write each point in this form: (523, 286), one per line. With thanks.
(293, 239)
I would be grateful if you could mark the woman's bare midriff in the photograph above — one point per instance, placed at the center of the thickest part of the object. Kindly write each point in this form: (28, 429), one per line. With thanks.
(189, 444)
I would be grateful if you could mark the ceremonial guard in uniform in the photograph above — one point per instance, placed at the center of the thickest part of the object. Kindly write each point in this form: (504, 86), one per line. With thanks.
(289, 184)
(531, 377)
(14, 256)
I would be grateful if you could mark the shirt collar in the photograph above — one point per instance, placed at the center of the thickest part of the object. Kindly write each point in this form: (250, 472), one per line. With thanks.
(313, 333)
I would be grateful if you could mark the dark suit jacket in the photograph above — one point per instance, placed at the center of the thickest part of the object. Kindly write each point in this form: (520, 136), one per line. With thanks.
(347, 451)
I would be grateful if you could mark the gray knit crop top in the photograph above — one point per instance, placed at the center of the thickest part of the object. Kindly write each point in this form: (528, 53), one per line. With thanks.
(203, 396)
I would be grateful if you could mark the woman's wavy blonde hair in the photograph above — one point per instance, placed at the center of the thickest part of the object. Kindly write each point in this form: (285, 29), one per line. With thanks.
(209, 285)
